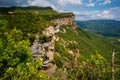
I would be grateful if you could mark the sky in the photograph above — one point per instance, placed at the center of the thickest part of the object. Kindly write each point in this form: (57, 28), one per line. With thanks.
(83, 9)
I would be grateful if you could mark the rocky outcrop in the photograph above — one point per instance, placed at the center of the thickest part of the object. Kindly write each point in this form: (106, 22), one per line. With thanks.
(64, 21)
(46, 50)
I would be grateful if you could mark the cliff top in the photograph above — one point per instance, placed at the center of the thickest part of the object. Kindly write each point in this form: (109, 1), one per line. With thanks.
(45, 12)
(32, 20)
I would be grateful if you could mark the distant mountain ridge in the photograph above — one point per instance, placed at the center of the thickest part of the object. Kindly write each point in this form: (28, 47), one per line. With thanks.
(26, 8)
(107, 28)
(5, 9)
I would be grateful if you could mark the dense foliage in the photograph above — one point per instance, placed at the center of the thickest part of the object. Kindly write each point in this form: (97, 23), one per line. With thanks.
(16, 59)
(93, 68)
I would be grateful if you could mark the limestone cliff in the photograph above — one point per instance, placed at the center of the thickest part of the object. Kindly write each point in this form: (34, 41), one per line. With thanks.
(64, 21)
(46, 50)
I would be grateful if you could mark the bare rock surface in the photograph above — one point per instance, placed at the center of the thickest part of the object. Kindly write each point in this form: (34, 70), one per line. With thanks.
(45, 50)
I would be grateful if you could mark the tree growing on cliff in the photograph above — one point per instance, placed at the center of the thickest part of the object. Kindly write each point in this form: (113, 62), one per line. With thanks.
(16, 59)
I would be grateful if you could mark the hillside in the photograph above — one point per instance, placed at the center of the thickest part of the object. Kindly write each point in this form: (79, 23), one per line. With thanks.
(43, 44)
(75, 43)
(88, 43)
(107, 28)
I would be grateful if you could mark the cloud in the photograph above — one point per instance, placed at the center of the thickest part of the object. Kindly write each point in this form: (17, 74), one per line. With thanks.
(76, 12)
(106, 2)
(106, 14)
(116, 12)
(42, 3)
(38, 3)
(12, 2)
(87, 15)
(81, 8)
(91, 4)
(112, 13)
(64, 2)
(115, 9)
(83, 17)
(27, 3)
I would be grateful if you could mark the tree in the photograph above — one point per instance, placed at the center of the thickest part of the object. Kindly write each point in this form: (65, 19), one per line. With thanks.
(94, 68)
(99, 67)
(26, 71)
(3, 24)
(16, 59)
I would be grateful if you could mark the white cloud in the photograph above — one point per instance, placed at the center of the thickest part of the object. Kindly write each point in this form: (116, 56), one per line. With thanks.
(87, 15)
(106, 2)
(76, 12)
(116, 12)
(91, 4)
(60, 5)
(53, 6)
(64, 2)
(42, 3)
(38, 3)
(83, 17)
(61, 11)
(115, 9)
(105, 14)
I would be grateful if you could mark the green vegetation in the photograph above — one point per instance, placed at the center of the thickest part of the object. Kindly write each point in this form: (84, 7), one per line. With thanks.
(63, 56)
(79, 55)
(16, 59)
(46, 13)
(44, 38)
(93, 68)
(6, 9)
(107, 28)
(94, 60)
(17, 33)
(87, 42)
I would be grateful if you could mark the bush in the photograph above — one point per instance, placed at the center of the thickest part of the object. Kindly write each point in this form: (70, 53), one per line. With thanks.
(44, 39)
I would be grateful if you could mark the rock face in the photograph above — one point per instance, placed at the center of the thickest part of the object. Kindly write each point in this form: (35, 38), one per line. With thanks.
(64, 21)
(46, 50)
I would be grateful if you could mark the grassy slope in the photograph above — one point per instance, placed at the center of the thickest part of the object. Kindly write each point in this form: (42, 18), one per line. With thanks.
(88, 43)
